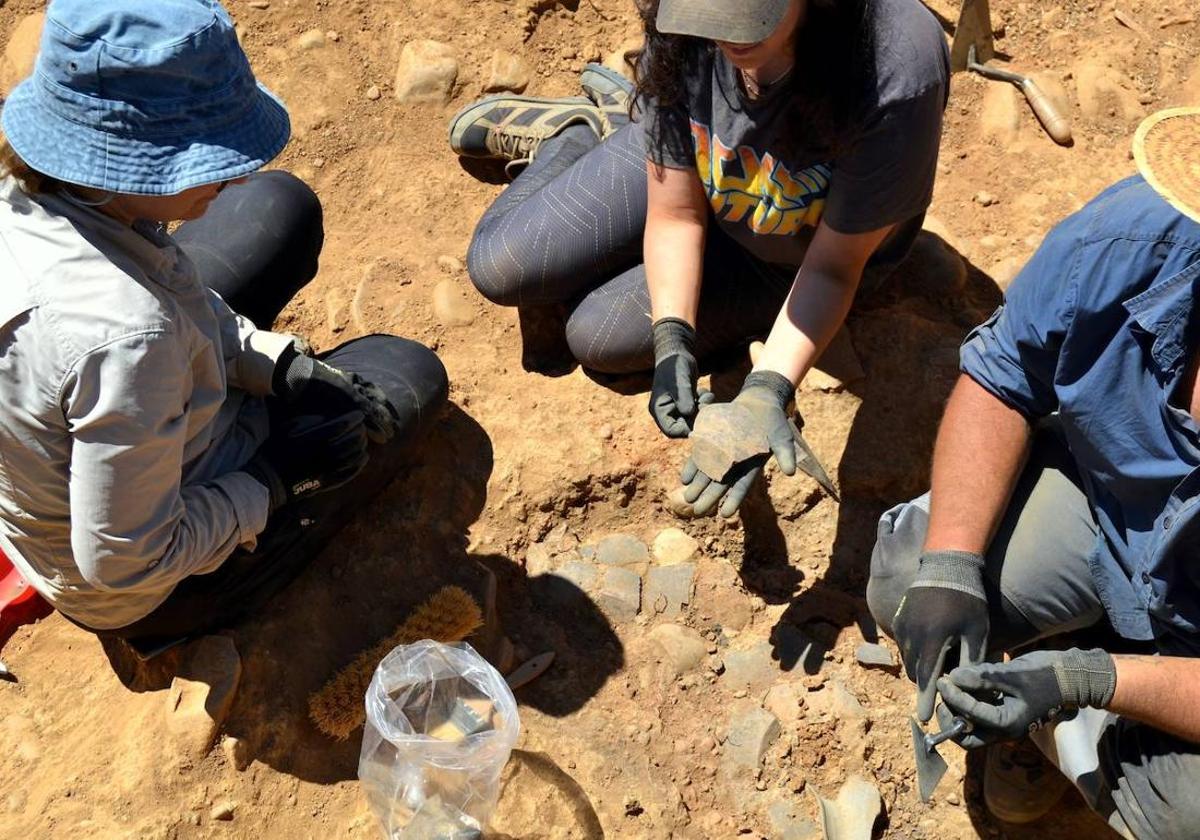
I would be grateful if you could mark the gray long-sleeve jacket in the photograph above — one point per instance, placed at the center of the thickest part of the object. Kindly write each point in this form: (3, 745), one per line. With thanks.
(130, 396)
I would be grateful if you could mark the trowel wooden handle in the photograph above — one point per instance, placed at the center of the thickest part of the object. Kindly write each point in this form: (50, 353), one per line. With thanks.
(1056, 125)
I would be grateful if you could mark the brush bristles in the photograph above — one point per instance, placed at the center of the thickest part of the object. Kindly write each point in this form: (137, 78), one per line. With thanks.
(450, 615)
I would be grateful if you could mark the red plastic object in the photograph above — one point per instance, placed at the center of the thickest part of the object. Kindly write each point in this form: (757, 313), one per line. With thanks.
(19, 602)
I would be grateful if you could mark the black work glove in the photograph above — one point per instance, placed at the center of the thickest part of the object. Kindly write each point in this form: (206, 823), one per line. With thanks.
(1008, 700)
(674, 399)
(303, 380)
(312, 455)
(766, 394)
(944, 608)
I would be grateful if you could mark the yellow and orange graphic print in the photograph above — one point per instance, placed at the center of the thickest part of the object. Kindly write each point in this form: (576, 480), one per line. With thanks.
(744, 185)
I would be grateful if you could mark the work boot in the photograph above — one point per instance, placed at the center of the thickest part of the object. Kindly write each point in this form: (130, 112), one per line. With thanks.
(512, 128)
(611, 92)
(1019, 784)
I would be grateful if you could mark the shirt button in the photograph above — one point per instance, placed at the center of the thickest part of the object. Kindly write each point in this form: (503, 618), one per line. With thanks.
(1145, 577)
(1166, 523)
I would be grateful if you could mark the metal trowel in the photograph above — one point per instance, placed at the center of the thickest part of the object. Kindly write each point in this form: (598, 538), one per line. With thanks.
(973, 49)
(931, 767)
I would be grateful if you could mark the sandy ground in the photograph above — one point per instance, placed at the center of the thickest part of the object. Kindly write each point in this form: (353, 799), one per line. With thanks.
(527, 471)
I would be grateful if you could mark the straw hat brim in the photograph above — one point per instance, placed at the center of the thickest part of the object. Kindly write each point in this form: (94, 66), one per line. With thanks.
(1166, 148)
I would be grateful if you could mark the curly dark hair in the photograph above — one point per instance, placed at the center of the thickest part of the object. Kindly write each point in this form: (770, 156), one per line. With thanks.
(834, 69)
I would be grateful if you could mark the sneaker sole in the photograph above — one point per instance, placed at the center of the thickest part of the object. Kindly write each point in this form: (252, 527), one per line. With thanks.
(469, 112)
(604, 80)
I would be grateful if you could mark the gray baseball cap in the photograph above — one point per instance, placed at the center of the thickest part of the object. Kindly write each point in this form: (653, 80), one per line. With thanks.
(733, 21)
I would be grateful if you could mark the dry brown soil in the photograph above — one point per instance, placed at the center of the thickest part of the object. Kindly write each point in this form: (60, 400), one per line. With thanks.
(85, 748)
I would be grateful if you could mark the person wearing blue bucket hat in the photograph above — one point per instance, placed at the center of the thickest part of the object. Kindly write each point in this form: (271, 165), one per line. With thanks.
(166, 457)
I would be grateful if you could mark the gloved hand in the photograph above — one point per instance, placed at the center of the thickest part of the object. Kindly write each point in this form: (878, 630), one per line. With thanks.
(298, 377)
(1008, 700)
(945, 607)
(312, 455)
(674, 399)
(766, 394)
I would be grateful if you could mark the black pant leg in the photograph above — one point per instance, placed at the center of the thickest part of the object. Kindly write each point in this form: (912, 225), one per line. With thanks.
(258, 244)
(416, 384)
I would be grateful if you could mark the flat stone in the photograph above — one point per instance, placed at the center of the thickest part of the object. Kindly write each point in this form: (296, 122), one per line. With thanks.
(426, 72)
(669, 589)
(796, 650)
(751, 732)
(622, 550)
(673, 546)
(783, 701)
(451, 305)
(720, 596)
(788, 821)
(725, 434)
(870, 655)
(852, 815)
(620, 595)
(202, 693)
(581, 573)
(506, 72)
(754, 669)
(682, 647)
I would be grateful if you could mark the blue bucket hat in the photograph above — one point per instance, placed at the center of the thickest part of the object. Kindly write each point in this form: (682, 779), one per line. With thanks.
(149, 98)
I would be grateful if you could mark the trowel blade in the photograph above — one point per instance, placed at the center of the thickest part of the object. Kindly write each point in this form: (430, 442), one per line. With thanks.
(974, 29)
(930, 765)
(808, 464)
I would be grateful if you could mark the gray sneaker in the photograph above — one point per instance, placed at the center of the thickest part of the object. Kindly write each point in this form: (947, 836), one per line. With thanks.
(512, 128)
(611, 92)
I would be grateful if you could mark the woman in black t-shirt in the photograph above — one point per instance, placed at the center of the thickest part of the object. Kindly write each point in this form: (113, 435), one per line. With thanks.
(784, 148)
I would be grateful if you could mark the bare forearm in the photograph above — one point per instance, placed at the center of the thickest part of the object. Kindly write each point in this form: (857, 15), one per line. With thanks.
(674, 255)
(815, 309)
(1161, 691)
(981, 448)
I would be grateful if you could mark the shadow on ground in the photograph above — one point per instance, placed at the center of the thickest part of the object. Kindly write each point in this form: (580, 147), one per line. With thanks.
(408, 543)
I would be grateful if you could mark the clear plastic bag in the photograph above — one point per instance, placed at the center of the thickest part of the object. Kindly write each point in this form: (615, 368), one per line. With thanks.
(441, 724)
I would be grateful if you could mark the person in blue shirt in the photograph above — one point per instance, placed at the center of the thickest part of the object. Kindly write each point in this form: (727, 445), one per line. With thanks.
(1065, 497)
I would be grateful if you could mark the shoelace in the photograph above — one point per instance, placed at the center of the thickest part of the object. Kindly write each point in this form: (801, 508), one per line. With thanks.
(514, 144)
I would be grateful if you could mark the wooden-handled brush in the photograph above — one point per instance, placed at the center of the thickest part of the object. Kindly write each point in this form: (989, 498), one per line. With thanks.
(450, 615)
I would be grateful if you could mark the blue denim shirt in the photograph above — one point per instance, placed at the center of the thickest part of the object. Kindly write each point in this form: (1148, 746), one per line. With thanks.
(1099, 327)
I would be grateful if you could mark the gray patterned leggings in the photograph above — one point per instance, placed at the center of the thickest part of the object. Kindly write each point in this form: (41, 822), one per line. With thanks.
(569, 230)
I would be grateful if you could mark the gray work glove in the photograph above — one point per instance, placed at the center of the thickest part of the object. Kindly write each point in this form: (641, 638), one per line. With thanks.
(674, 399)
(944, 608)
(1008, 700)
(313, 454)
(303, 381)
(766, 394)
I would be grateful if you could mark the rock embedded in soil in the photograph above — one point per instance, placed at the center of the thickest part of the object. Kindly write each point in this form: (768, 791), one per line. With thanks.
(451, 306)
(620, 595)
(1000, 115)
(506, 72)
(672, 546)
(668, 589)
(718, 594)
(844, 704)
(852, 815)
(751, 732)
(682, 647)
(783, 701)
(871, 655)
(754, 669)
(222, 811)
(622, 550)
(426, 72)
(580, 573)
(311, 40)
(1102, 89)
(788, 821)
(202, 693)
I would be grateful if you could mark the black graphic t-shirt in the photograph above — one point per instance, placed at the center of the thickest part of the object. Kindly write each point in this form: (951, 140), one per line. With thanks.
(770, 180)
